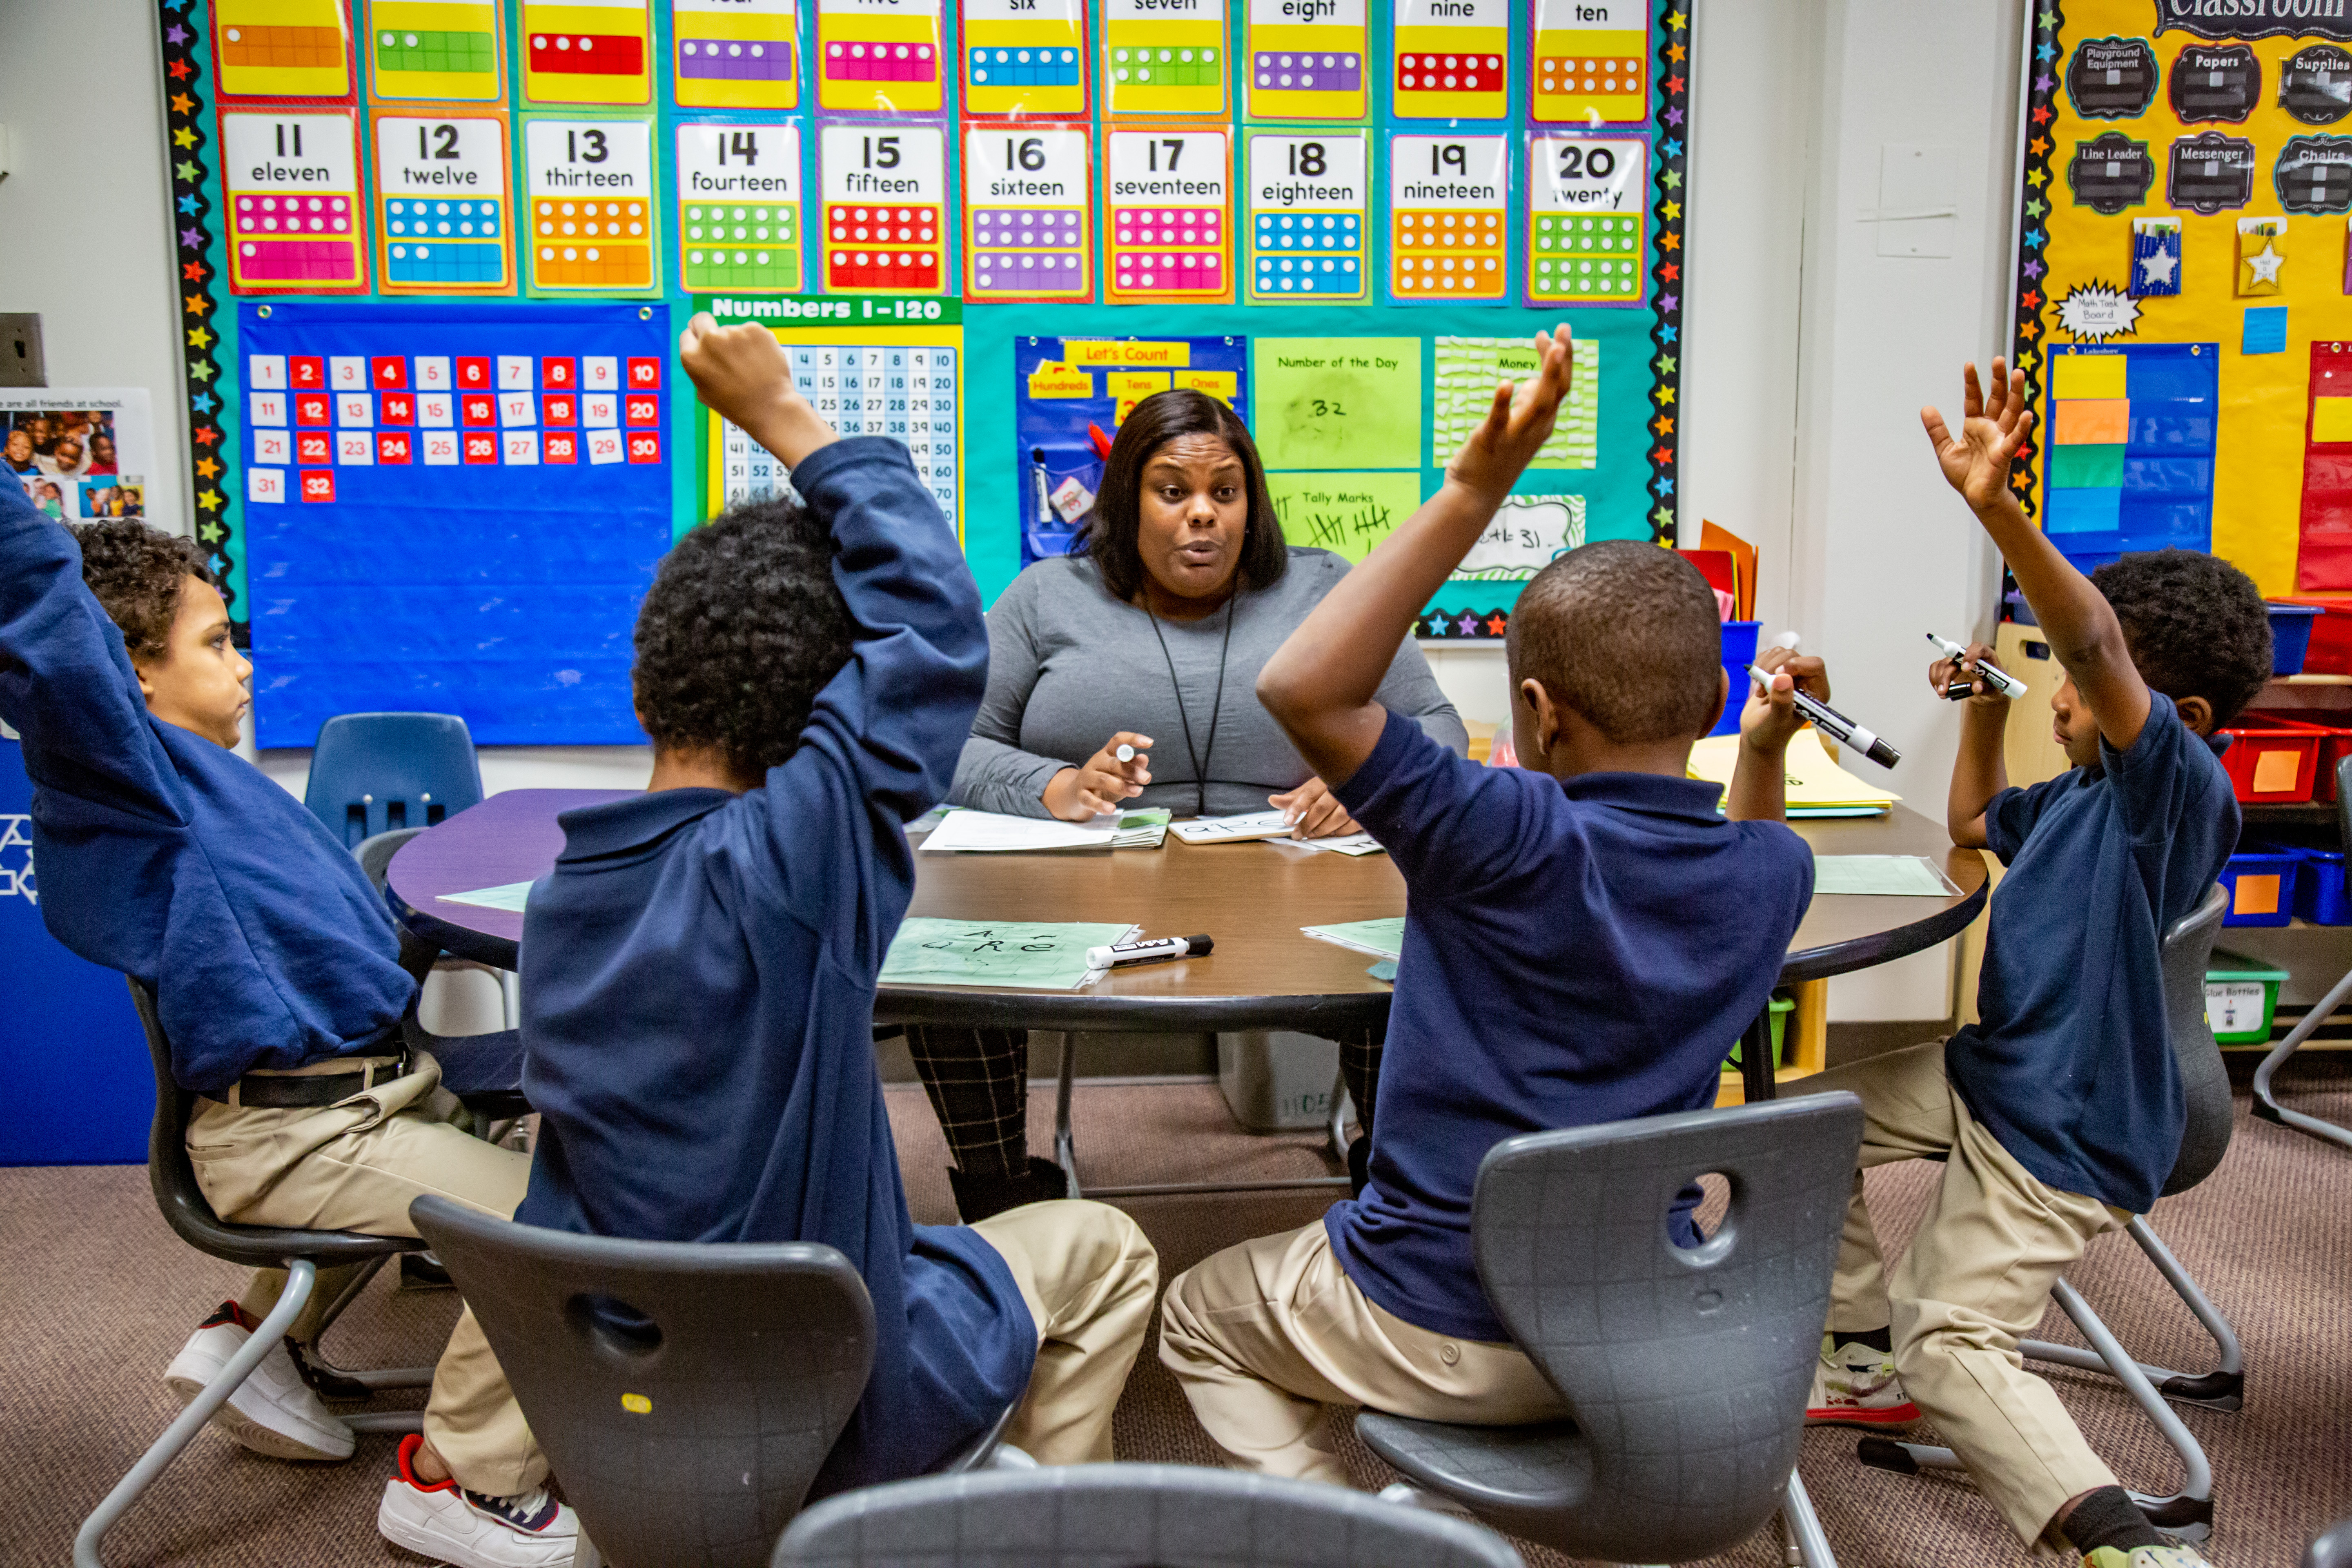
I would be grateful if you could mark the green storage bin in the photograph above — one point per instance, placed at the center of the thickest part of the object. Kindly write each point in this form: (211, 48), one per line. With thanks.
(2241, 996)
(1781, 1007)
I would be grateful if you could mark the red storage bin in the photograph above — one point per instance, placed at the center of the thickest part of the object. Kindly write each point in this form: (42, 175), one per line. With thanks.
(2331, 635)
(2273, 761)
(2334, 745)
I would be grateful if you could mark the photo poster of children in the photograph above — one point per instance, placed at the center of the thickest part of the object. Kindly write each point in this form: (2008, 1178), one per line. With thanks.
(81, 453)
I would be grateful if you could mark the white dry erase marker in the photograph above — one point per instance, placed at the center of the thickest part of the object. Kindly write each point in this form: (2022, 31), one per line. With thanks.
(1125, 753)
(1148, 951)
(2001, 680)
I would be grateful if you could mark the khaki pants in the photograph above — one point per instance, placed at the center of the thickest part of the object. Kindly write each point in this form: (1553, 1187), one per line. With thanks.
(1976, 1281)
(356, 1165)
(1263, 1335)
(1089, 1277)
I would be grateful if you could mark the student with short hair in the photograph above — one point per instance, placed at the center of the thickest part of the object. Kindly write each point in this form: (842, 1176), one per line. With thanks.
(2058, 1113)
(275, 966)
(698, 969)
(1589, 937)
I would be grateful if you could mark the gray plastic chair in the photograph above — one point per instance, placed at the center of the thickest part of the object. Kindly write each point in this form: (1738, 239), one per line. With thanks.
(1121, 1516)
(1685, 1371)
(687, 1394)
(2266, 1105)
(2205, 1083)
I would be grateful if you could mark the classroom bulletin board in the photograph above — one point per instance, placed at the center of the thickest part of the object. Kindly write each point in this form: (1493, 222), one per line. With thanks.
(434, 255)
(2184, 285)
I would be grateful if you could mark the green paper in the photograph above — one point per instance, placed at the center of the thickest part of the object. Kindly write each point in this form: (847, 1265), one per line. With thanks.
(1469, 369)
(1027, 954)
(1882, 875)
(509, 896)
(1345, 513)
(1337, 403)
(1384, 938)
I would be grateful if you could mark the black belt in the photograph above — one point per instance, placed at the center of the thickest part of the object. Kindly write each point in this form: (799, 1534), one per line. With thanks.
(283, 1091)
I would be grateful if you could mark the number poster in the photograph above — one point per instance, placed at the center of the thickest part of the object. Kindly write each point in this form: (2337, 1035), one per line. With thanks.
(433, 261)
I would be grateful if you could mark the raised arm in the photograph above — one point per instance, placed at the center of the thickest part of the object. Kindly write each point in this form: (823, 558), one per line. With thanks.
(1320, 684)
(2076, 619)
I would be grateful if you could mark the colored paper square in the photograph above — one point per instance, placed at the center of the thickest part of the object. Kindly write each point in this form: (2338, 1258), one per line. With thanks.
(388, 373)
(561, 446)
(2331, 418)
(314, 447)
(482, 409)
(558, 408)
(2260, 895)
(2084, 511)
(306, 370)
(474, 372)
(318, 484)
(645, 446)
(2266, 329)
(2092, 422)
(392, 447)
(481, 446)
(641, 409)
(1337, 403)
(558, 373)
(2089, 376)
(2086, 467)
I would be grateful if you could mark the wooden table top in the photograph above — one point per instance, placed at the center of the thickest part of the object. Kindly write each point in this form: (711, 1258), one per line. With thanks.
(1252, 898)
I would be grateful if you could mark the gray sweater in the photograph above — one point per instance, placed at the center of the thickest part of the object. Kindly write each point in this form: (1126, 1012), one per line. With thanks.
(1069, 666)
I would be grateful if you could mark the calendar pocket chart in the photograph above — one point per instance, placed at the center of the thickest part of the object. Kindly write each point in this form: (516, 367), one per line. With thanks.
(735, 54)
(1448, 207)
(879, 56)
(1168, 206)
(283, 48)
(1025, 58)
(1447, 60)
(593, 203)
(439, 51)
(1307, 59)
(739, 208)
(1028, 233)
(1308, 216)
(443, 224)
(1585, 208)
(1165, 57)
(587, 51)
(291, 181)
(885, 190)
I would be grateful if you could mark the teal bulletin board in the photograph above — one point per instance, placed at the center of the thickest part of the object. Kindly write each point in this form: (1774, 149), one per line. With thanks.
(958, 219)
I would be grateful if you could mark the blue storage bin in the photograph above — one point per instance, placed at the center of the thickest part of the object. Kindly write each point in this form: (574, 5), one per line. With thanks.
(2262, 887)
(2290, 635)
(2320, 896)
(1738, 653)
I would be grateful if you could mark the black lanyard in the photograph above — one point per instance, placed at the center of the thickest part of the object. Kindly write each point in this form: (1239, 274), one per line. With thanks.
(1216, 706)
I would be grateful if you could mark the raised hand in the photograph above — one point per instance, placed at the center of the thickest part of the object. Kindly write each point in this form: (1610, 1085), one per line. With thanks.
(1517, 423)
(742, 375)
(1995, 423)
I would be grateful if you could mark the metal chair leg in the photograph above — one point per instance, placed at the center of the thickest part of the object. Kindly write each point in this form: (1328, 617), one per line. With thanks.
(1066, 1147)
(365, 1380)
(1338, 1126)
(1810, 1546)
(301, 1276)
(2223, 1388)
(2266, 1105)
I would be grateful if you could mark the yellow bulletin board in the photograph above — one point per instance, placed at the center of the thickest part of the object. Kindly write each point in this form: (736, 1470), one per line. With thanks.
(2183, 310)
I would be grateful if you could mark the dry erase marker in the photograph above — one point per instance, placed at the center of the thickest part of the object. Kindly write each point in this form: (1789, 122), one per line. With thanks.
(1125, 753)
(1836, 725)
(2001, 680)
(1150, 952)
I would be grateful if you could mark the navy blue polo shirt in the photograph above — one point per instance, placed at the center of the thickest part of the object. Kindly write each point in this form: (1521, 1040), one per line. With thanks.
(2070, 1066)
(1578, 953)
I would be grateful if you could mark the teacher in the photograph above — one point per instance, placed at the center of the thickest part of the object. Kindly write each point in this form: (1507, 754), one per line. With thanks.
(1148, 634)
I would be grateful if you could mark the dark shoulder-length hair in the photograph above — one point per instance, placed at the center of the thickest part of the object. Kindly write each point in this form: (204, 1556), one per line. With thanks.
(1109, 536)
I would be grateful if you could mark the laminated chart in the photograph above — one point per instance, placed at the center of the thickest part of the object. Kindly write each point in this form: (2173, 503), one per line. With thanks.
(907, 389)
(1585, 209)
(290, 182)
(442, 221)
(588, 51)
(1307, 59)
(1448, 60)
(735, 54)
(282, 48)
(2130, 455)
(1448, 202)
(1308, 211)
(1164, 56)
(1590, 62)
(885, 189)
(879, 56)
(1468, 371)
(738, 208)
(441, 51)
(1170, 204)
(1025, 58)
(1027, 232)
(593, 196)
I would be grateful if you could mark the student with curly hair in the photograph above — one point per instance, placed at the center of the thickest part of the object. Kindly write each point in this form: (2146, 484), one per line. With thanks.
(2060, 1113)
(276, 970)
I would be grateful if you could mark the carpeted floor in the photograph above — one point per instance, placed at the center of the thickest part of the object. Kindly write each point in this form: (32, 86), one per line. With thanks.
(2270, 1235)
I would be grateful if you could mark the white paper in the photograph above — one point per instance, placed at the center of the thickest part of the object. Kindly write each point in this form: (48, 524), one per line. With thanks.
(1249, 825)
(508, 896)
(993, 833)
(1345, 844)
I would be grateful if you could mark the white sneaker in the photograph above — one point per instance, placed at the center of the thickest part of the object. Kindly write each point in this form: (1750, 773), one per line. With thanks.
(449, 1524)
(1856, 1386)
(273, 1411)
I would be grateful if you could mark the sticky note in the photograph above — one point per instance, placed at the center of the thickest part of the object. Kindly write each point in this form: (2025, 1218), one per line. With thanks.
(1028, 212)
(2089, 376)
(1584, 219)
(1306, 60)
(587, 51)
(885, 220)
(1590, 62)
(2274, 770)
(1337, 403)
(2256, 895)
(593, 203)
(292, 184)
(446, 51)
(443, 224)
(2331, 419)
(1447, 203)
(879, 57)
(735, 54)
(2266, 329)
(1164, 56)
(1307, 218)
(2094, 422)
(1348, 515)
(1169, 197)
(1447, 59)
(1025, 58)
(282, 48)
(738, 208)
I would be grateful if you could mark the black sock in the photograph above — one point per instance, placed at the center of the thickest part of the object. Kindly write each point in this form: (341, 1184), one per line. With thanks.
(1882, 1339)
(2108, 1517)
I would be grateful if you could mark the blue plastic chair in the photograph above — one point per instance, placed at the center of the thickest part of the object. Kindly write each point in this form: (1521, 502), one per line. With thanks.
(372, 773)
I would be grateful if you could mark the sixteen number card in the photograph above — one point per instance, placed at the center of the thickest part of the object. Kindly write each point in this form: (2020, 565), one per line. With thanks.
(1448, 203)
(885, 189)
(588, 51)
(1309, 208)
(282, 48)
(1306, 60)
(591, 187)
(1025, 209)
(440, 51)
(442, 222)
(735, 54)
(1025, 58)
(1164, 56)
(1169, 195)
(738, 208)
(1584, 219)
(1449, 57)
(879, 57)
(1590, 62)
(292, 184)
